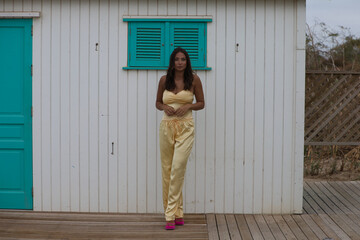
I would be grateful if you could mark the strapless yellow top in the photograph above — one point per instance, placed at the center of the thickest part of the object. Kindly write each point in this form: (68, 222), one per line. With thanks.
(177, 100)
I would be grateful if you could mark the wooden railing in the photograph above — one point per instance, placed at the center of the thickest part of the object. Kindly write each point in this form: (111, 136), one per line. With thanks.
(332, 108)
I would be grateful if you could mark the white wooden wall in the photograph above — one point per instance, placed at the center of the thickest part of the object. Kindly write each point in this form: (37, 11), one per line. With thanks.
(249, 140)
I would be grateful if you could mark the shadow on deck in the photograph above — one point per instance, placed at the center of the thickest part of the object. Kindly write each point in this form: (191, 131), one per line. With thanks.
(331, 211)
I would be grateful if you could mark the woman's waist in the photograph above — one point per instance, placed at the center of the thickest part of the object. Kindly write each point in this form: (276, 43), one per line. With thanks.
(176, 105)
(187, 116)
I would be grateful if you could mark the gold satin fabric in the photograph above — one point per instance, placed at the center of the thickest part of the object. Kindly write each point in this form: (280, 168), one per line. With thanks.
(176, 141)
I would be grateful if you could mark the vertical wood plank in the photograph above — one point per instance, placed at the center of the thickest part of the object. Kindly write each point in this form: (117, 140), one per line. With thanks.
(299, 105)
(201, 7)
(152, 134)
(278, 106)
(162, 7)
(74, 106)
(27, 5)
(133, 105)
(220, 108)
(259, 106)
(240, 107)
(152, 8)
(18, 5)
(123, 110)
(249, 107)
(229, 106)
(58, 160)
(200, 140)
(37, 108)
(172, 7)
(269, 105)
(114, 69)
(289, 105)
(8, 5)
(159, 202)
(210, 82)
(191, 7)
(300, 24)
(152, 160)
(103, 106)
(141, 138)
(143, 7)
(94, 103)
(84, 128)
(182, 7)
(133, 7)
(132, 142)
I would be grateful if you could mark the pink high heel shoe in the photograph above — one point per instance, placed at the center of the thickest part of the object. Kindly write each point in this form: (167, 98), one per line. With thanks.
(170, 226)
(179, 221)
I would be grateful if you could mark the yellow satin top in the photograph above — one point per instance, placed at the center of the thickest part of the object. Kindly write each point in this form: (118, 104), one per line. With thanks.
(177, 100)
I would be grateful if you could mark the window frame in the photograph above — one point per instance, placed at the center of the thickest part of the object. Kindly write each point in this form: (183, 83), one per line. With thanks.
(169, 23)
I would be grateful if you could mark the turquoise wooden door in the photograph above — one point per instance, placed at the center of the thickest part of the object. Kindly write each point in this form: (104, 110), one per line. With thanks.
(15, 114)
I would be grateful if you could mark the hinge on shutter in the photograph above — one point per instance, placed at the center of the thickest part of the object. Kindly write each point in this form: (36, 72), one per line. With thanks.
(32, 191)
(32, 70)
(32, 30)
(32, 111)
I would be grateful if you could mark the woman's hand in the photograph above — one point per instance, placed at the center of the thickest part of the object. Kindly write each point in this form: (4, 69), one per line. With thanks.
(182, 110)
(168, 110)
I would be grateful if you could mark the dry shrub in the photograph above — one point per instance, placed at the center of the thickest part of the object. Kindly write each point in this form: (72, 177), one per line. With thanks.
(332, 162)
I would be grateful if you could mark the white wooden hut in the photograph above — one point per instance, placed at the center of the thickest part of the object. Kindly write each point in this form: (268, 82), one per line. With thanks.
(91, 144)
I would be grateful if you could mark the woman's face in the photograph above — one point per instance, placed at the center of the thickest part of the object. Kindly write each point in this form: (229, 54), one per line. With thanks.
(180, 61)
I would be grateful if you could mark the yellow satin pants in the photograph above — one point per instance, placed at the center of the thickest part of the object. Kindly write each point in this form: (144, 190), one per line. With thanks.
(176, 141)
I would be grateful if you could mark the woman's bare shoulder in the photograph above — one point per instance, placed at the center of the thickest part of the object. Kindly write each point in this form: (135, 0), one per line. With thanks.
(196, 80)
(162, 80)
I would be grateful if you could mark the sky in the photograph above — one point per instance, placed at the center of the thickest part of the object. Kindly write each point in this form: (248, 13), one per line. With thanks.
(334, 13)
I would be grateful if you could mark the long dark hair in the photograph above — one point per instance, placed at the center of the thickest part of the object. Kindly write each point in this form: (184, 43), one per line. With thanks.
(188, 73)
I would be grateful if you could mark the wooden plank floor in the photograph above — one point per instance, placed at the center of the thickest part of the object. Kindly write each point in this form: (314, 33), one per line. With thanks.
(40, 225)
(331, 211)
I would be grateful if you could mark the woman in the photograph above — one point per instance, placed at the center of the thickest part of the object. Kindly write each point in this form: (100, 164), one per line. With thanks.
(175, 97)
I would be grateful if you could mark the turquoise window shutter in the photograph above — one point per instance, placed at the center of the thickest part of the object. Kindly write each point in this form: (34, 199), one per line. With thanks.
(146, 44)
(151, 41)
(191, 37)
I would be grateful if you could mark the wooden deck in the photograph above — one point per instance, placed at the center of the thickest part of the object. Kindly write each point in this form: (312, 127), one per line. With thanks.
(331, 211)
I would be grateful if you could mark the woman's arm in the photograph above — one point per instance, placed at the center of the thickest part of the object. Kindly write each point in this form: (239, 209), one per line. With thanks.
(199, 95)
(159, 103)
